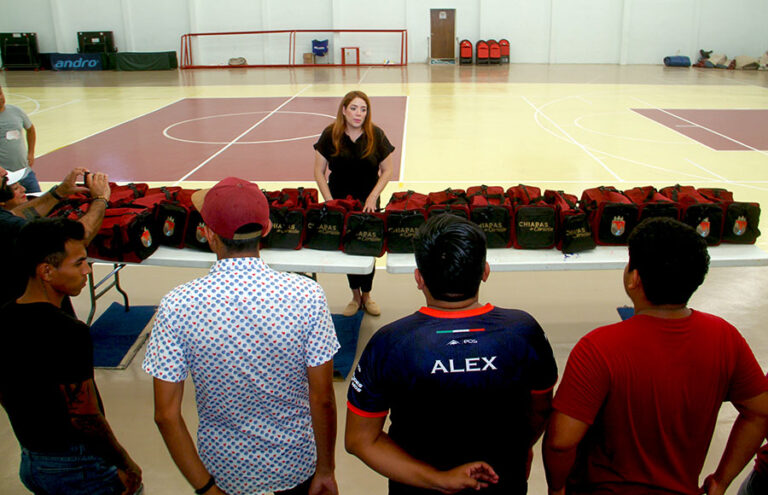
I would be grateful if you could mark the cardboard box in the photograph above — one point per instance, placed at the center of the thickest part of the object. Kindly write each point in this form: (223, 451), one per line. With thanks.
(309, 58)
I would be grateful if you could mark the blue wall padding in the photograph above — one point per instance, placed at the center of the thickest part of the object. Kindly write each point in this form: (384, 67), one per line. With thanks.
(677, 61)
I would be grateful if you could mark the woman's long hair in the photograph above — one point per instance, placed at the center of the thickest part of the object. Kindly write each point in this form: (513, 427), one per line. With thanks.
(340, 125)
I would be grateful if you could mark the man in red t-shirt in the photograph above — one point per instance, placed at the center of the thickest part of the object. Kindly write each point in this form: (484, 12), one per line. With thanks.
(638, 403)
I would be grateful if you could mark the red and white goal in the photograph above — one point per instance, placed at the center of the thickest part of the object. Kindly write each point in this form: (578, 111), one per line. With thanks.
(290, 48)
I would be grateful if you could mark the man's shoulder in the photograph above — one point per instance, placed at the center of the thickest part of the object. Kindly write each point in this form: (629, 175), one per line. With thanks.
(13, 111)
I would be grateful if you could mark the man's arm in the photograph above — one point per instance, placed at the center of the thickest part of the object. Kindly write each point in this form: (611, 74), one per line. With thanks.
(98, 187)
(168, 398)
(86, 417)
(366, 439)
(746, 436)
(31, 141)
(541, 408)
(560, 443)
(41, 206)
(322, 406)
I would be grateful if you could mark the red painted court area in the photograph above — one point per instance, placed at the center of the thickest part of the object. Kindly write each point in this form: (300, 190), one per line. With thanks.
(721, 130)
(207, 139)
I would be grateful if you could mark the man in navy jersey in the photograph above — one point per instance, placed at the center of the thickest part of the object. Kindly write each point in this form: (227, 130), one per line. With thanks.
(468, 386)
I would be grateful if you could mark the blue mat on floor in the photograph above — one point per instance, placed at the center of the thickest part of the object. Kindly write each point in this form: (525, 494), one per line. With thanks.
(117, 335)
(347, 331)
(626, 312)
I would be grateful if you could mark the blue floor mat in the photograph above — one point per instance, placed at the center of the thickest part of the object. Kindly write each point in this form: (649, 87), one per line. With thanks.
(117, 335)
(347, 331)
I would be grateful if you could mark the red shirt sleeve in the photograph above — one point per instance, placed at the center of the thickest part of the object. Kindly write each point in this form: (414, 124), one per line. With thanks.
(747, 379)
(585, 383)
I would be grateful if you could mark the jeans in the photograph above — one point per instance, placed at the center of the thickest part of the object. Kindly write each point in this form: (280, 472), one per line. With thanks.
(755, 484)
(30, 181)
(73, 472)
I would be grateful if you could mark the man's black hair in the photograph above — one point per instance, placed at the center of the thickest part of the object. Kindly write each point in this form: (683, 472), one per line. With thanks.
(671, 259)
(244, 245)
(44, 241)
(450, 255)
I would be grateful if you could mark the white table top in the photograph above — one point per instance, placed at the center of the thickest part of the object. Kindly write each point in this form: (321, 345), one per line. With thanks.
(286, 260)
(600, 258)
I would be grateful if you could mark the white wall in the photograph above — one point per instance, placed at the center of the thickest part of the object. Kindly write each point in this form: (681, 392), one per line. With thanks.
(539, 31)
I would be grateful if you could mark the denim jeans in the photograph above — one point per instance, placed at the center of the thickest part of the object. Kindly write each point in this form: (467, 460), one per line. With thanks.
(73, 472)
(30, 182)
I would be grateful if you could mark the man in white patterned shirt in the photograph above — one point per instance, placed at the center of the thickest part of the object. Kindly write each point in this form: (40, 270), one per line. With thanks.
(259, 345)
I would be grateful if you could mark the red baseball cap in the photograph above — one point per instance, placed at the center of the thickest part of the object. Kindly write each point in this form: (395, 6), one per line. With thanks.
(231, 205)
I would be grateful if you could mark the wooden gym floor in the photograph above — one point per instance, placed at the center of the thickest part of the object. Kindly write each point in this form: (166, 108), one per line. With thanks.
(554, 126)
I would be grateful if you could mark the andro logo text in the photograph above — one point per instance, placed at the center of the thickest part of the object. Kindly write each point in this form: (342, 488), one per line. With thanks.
(76, 64)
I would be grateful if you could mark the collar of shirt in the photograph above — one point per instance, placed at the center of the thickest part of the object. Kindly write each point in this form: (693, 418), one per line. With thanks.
(237, 264)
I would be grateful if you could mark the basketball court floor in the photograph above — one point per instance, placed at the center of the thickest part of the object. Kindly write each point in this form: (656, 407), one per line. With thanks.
(554, 126)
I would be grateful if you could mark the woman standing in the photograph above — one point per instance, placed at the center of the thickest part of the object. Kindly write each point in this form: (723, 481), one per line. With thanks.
(358, 156)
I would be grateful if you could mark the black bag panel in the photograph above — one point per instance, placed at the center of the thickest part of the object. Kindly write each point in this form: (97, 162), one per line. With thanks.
(535, 227)
(195, 236)
(401, 229)
(171, 224)
(496, 222)
(364, 234)
(287, 230)
(707, 219)
(460, 211)
(741, 223)
(653, 210)
(615, 222)
(575, 234)
(324, 229)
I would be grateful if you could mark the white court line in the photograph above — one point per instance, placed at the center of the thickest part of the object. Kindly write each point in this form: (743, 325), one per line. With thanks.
(577, 123)
(700, 126)
(727, 181)
(55, 106)
(116, 125)
(405, 133)
(19, 95)
(363, 76)
(583, 148)
(706, 170)
(648, 165)
(254, 126)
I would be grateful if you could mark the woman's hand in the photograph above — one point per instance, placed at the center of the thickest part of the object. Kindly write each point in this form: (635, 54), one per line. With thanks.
(370, 205)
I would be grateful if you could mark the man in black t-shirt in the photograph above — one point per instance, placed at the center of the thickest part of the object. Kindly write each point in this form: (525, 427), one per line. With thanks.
(462, 382)
(46, 373)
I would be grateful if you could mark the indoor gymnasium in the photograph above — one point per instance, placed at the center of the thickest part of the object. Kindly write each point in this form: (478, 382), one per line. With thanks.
(556, 95)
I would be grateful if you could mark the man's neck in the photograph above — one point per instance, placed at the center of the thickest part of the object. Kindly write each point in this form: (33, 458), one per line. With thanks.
(666, 311)
(39, 292)
(222, 255)
(464, 305)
